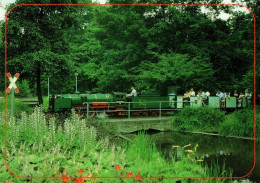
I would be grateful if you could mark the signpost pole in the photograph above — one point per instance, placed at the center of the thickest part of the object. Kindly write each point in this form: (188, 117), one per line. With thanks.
(12, 103)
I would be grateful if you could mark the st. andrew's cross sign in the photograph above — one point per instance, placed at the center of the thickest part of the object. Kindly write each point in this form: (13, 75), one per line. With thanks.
(12, 83)
(12, 87)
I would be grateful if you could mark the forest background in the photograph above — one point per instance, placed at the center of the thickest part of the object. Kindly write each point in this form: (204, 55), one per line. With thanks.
(114, 47)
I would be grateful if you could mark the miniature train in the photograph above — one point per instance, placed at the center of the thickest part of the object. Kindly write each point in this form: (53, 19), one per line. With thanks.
(117, 103)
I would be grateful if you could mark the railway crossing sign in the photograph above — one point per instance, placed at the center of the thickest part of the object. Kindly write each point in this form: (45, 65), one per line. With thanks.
(12, 82)
(12, 87)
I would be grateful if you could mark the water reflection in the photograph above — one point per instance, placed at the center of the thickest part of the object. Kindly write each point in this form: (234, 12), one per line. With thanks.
(236, 154)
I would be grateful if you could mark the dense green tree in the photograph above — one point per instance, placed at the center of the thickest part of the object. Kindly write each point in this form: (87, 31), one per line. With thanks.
(133, 36)
(175, 70)
(121, 35)
(37, 41)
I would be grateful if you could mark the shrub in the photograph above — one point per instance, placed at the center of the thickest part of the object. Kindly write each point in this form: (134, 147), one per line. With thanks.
(203, 118)
(24, 88)
(240, 123)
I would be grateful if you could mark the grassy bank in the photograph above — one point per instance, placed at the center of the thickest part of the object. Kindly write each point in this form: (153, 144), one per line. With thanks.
(36, 147)
(238, 123)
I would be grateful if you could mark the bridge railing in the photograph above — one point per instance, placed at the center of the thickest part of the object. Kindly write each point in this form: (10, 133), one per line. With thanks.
(126, 107)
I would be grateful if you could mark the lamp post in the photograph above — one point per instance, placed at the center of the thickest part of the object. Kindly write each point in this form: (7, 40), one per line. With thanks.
(76, 82)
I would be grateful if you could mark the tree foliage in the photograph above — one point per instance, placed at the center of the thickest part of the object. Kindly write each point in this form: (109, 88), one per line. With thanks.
(113, 47)
(37, 45)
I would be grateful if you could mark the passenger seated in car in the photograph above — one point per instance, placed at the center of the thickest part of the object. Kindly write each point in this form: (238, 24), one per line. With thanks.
(221, 98)
(133, 92)
(186, 97)
(207, 94)
(235, 93)
(247, 94)
(227, 95)
(240, 98)
(218, 93)
(202, 93)
(199, 94)
(192, 93)
(204, 97)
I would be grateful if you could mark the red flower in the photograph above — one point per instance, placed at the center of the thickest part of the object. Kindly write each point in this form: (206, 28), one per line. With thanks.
(79, 180)
(138, 176)
(80, 171)
(118, 167)
(129, 174)
(65, 179)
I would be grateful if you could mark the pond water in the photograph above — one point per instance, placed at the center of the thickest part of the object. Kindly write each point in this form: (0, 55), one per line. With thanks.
(237, 154)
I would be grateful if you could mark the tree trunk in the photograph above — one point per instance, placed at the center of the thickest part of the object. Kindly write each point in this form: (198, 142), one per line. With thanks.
(39, 90)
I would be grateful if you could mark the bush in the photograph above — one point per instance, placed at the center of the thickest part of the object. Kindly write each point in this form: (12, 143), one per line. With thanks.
(24, 88)
(240, 123)
(203, 119)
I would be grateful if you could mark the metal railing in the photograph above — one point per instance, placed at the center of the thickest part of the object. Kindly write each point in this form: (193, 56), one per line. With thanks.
(128, 110)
